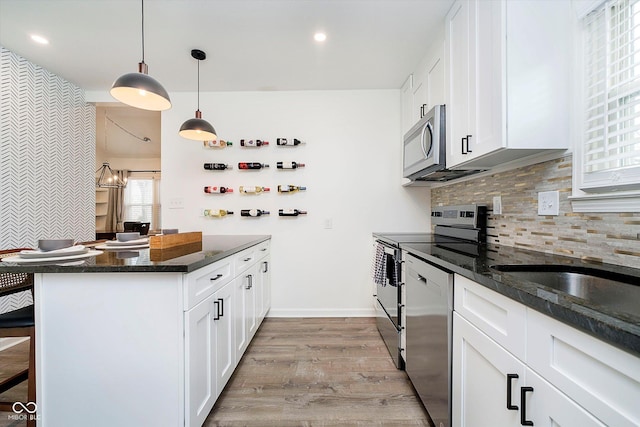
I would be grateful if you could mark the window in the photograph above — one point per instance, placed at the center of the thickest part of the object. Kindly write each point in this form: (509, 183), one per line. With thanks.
(142, 201)
(608, 155)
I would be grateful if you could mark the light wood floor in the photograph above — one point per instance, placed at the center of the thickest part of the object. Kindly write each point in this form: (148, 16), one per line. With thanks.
(12, 361)
(317, 372)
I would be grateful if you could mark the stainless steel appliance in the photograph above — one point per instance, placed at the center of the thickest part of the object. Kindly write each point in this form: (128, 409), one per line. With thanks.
(425, 149)
(388, 297)
(459, 230)
(414, 317)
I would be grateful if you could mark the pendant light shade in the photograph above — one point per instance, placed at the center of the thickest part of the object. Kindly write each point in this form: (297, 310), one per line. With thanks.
(140, 90)
(198, 129)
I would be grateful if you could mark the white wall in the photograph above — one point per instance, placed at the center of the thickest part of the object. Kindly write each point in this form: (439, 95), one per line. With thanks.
(353, 156)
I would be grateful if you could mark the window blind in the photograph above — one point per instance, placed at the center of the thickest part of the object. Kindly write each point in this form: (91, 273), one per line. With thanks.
(141, 201)
(611, 151)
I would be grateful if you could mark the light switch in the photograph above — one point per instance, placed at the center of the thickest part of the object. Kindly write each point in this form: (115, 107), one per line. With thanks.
(497, 205)
(548, 203)
(176, 203)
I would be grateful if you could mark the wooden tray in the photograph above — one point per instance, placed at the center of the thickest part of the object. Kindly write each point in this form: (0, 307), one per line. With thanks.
(173, 240)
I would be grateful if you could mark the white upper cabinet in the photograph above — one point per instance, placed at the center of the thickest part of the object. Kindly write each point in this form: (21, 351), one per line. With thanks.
(507, 80)
(425, 87)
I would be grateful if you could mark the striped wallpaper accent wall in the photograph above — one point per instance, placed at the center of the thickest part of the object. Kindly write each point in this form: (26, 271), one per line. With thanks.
(47, 156)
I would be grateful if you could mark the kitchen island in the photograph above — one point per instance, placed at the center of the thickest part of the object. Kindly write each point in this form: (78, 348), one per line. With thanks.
(145, 337)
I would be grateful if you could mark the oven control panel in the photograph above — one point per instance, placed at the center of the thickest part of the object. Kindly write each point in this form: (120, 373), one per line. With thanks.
(472, 216)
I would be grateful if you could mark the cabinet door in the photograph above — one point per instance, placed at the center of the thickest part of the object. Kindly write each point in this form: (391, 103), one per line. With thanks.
(199, 362)
(435, 77)
(265, 286)
(546, 406)
(480, 381)
(406, 94)
(239, 316)
(420, 92)
(252, 278)
(225, 355)
(459, 64)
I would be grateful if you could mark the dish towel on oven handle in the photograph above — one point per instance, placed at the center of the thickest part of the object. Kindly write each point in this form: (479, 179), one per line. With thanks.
(379, 266)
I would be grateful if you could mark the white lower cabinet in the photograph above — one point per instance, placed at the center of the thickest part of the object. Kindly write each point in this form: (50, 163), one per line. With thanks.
(210, 353)
(219, 327)
(493, 388)
(563, 378)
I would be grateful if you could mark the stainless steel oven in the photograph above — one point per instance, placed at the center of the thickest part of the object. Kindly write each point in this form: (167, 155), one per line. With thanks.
(388, 297)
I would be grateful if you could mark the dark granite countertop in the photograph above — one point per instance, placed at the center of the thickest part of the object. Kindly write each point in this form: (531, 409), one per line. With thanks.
(181, 259)
(602, 319)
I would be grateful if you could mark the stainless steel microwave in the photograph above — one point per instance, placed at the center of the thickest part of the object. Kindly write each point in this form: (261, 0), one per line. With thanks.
(425, 150)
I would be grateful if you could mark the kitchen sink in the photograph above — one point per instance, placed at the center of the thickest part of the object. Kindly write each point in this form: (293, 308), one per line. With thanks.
(616, 291)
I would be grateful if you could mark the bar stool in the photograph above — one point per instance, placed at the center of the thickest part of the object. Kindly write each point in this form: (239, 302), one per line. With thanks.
(19, 323)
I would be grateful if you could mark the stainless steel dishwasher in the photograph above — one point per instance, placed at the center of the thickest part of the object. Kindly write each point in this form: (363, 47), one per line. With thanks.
(429, 311)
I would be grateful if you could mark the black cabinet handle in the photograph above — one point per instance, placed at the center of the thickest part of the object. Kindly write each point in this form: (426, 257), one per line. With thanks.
(510, 378)
(215, 278)
(249, 282)
(266, 266)
(217, 306)
(221, 307)
(468, 150)
(523, 415)
(247, 259)
(463, 145)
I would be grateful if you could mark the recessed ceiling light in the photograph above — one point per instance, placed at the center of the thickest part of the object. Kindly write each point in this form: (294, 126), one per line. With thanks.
(319, 37)
(39, 39)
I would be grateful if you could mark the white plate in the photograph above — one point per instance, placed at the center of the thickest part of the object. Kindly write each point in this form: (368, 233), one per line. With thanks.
(144, 241)
(19, 260)
(73, 250)
(122, 247)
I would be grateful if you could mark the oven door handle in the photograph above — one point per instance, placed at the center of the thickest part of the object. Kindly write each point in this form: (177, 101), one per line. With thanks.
(422, 278)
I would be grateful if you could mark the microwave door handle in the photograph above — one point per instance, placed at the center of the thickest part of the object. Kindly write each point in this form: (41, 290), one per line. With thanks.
(423, 144)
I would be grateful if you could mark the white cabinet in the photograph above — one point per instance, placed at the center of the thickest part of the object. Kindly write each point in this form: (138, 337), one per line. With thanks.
(564, 376)
(508, 80)
(223, 310)
(210, 356)
(425, 87)
(499, 390)
(406, 97)
(480, 368)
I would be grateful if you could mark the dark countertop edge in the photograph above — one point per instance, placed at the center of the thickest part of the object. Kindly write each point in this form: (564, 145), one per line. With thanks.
(614, 331)
(167, 267)
(210, 260)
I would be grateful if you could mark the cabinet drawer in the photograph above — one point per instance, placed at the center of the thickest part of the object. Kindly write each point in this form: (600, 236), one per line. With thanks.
(501, 318)
(246, 259)
(205, 281)
(596, 375)
(262, 249)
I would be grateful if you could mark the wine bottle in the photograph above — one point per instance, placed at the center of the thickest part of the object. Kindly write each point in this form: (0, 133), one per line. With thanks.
(252, 143)
(285, 141)
(217, 213)
(218, 143)
(291, 212)
(216, 166)
(289, 165)
(252, 165)
(290, 188)
(253, 212)
(216, 190)
(253, 189)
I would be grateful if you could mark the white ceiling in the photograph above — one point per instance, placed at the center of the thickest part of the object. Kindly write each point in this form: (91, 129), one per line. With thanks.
(250, 44)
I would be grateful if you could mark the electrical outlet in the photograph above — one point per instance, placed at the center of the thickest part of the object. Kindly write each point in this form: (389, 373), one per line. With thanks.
(328, 223)
(497, 205)
(548, 203)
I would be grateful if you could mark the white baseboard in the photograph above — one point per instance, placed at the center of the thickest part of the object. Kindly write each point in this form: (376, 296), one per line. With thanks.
(9, 342)
(322, 312)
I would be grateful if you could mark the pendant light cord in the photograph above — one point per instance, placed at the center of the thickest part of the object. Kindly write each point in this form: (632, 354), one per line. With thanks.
(142, 1)
(198, 84)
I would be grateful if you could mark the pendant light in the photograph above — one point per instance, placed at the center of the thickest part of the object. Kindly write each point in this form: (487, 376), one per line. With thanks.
(140, 90)
(106, 178)
(198, 129)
